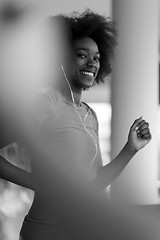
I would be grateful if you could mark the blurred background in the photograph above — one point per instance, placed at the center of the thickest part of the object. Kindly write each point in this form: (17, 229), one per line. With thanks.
(132, 90)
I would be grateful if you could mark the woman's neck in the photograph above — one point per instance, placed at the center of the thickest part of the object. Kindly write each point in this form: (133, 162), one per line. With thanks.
(65, 90)
(77, 93)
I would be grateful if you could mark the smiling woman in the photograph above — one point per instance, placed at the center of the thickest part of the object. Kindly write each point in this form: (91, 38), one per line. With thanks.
(87, 58)
(87, 62)
(63, 137)
(100, 33)
(87, 43)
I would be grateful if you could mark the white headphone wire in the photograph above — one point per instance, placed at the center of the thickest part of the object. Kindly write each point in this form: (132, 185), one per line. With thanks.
(83, 124)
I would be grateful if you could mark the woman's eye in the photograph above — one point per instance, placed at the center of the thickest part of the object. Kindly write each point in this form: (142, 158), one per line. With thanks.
(82, 55)
(97, 59)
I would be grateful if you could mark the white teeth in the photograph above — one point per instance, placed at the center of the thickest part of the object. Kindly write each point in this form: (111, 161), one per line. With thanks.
(89, 74)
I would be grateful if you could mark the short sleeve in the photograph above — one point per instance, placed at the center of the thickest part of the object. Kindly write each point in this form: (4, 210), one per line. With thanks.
(94, 117)
(96, 121)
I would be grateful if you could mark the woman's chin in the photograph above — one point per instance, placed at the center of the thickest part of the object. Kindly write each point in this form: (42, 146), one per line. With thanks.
(87, 83)
(84, 82)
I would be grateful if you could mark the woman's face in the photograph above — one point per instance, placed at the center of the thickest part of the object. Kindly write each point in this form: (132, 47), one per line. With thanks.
(86, 63)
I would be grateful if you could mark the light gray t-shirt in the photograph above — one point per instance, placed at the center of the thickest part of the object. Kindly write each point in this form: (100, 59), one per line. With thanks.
(63, 131)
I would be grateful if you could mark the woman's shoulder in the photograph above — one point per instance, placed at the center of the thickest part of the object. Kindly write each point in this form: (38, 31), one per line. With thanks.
(93, 115)
(44, 103)
(48, 97)
(45, 95)
(91, 110)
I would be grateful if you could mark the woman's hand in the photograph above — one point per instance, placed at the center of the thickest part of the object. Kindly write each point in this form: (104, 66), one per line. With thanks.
(139, 135)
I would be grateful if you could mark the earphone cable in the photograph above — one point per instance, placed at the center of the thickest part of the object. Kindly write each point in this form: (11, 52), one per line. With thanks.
(83, 124)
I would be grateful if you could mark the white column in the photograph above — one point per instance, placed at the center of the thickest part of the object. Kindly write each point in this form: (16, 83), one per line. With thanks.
(135, 93)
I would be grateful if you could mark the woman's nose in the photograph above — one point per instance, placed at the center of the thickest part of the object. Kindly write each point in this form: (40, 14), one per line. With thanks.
(91, 62)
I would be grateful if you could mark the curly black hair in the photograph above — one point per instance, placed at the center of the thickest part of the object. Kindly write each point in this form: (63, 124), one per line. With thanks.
(101, 29)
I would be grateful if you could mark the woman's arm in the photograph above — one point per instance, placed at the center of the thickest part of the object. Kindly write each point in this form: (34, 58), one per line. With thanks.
(36, 112)
(16, 175)
(139, 136)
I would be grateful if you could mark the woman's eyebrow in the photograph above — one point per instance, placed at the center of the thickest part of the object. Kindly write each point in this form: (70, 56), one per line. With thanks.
(85, 49)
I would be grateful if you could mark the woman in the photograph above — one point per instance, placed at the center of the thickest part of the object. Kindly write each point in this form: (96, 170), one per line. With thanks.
(70, 128)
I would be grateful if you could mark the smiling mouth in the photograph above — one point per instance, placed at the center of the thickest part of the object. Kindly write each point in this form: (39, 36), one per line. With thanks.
(86, 73)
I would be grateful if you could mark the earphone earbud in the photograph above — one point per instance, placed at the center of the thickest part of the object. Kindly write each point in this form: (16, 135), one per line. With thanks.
(83, 124)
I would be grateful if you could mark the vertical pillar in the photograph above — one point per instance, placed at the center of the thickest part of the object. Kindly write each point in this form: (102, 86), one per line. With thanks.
(135, 93)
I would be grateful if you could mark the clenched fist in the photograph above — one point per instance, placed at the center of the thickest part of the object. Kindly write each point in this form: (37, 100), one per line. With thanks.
(139, 135)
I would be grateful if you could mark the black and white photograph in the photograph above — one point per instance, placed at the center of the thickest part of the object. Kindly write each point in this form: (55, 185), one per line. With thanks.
(79, 120)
